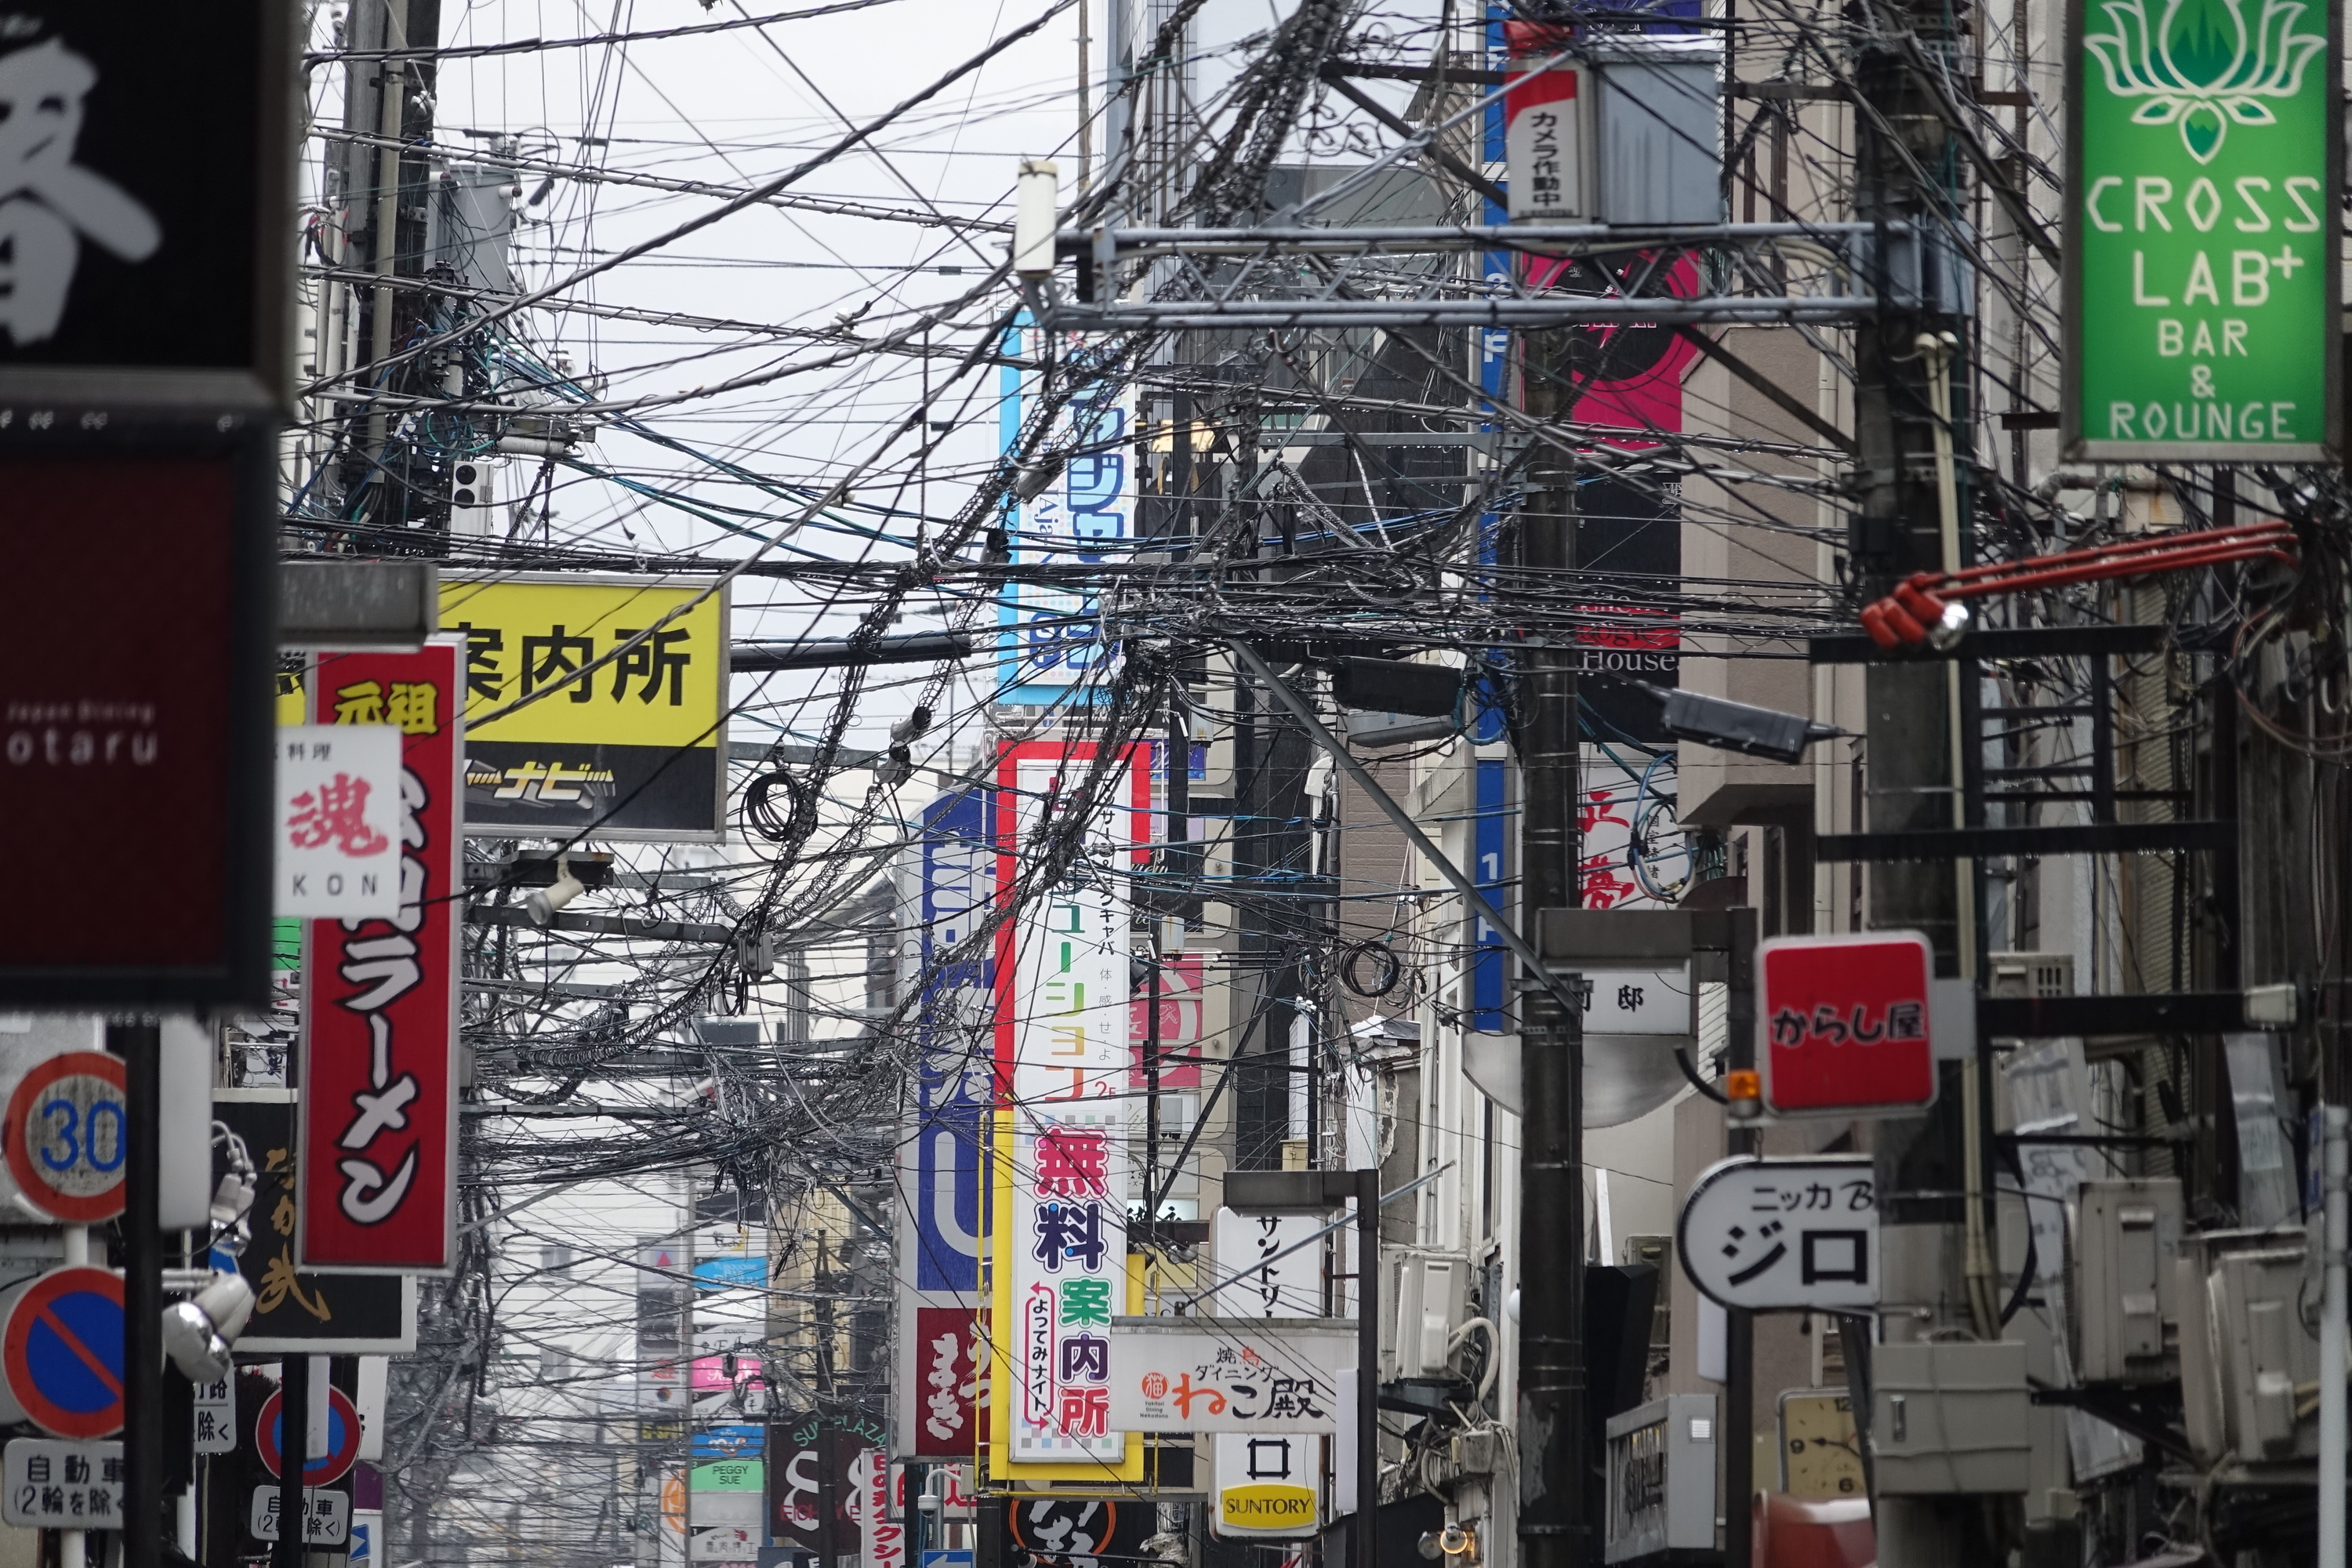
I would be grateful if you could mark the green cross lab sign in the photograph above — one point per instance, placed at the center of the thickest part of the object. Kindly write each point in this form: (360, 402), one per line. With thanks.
(2204, 164)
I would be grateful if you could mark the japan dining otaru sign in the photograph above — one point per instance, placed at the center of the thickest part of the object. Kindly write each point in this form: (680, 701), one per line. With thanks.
(2204, 162)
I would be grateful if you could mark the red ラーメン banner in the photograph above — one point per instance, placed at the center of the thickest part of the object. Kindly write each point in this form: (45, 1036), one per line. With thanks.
(379, 1094)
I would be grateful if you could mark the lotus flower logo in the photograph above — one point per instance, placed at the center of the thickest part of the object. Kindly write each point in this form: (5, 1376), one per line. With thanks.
(2201, 67)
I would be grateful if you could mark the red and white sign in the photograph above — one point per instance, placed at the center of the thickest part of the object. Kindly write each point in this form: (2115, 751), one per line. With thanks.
(337, 821)
(947, 1377)
(343, 1428)
(1545, 124)
(1846, 1023)
(62, 1351)
(65, 1136)
(1081, 815)
(379, 1133)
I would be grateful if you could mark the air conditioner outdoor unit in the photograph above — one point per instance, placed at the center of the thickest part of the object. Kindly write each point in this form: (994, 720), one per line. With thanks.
(1425, 1297)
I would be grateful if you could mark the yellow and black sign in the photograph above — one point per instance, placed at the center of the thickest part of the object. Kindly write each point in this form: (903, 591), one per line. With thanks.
(631, 747)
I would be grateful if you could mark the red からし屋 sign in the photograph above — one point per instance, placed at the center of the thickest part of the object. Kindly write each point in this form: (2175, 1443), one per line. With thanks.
(378, 1130)
(1846, 1022)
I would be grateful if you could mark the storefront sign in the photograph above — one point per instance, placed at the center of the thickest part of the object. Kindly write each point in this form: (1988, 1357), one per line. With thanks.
(2204, 162)
(379, 1106)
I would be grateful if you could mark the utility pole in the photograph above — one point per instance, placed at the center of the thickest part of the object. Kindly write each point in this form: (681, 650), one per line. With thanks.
(1553, 1528)
(140, 1046)
(1910, 520)
(386, 186)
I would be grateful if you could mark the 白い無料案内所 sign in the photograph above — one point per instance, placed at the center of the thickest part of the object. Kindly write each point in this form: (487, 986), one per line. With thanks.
(2201, 274)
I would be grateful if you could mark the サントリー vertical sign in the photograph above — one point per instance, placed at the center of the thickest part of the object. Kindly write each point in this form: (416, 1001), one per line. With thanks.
(2201, 289)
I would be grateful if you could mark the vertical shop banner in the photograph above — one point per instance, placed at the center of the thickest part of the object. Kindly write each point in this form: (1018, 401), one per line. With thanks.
(134, 740)
(379, 1108)
(635, 748)
(2204, 154)
(294, 1310)
(1052, 636)
(1063, 1062)
(882, 1539)
(943, 1166)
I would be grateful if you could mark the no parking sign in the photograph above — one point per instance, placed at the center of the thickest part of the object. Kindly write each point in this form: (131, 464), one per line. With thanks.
(62, 1349)
(342, 1438)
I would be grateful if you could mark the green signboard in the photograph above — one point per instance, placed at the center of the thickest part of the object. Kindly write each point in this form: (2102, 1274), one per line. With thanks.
(2204, 159)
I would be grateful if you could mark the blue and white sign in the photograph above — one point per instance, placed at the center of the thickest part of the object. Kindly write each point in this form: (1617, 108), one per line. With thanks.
(366, 1524)
(957, 874)
(1052, 639)
(734, 1441)
(943, 1164)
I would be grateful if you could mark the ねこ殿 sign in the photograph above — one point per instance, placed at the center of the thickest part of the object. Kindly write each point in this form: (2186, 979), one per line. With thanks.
(2204, 162)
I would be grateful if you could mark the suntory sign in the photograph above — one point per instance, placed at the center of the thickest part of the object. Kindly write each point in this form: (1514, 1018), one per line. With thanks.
(2201, 292)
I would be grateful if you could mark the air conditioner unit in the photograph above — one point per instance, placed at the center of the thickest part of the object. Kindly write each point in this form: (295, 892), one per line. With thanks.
(2266, 1356)
(1425, 1297)
(2029, 974)
(2226, 1288)
(2126, 1325)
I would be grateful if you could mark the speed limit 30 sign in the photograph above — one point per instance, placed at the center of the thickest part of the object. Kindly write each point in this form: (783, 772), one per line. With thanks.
(1847, 1023)
(65, 1136)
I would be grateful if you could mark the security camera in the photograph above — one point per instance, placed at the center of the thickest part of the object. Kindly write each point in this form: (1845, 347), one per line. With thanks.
(544, 901)
(198, 1332)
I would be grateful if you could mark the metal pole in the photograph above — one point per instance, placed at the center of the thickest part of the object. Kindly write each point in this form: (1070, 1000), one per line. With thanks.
(2337, 1206)
(1740, 1326)
(140, 1046)
(391, 88)
(1553, 1404)
(293, 1458)
(1363, 1540)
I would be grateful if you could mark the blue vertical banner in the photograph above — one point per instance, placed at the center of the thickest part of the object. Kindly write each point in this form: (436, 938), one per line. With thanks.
(947, 1160)
(943, 1159)
(1488, 849)
(1050, 644)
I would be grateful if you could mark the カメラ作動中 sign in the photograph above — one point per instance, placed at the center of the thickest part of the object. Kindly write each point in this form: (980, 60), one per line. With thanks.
(557, 742)
(2204, 159)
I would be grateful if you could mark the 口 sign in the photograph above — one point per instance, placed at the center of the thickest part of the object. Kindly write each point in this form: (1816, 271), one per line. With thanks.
(2205, 163)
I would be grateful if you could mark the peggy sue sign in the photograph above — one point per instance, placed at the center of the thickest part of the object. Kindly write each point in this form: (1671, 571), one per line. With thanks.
(2203, 168)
